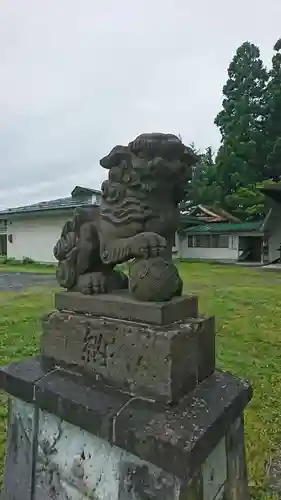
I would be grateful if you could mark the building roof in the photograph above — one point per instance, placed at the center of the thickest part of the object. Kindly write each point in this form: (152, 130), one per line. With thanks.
(80, 197)
(226, 227)
(83, 191)
(205, 214)
(188, 221)
(202, 215)
(213, 214)
(222, 214)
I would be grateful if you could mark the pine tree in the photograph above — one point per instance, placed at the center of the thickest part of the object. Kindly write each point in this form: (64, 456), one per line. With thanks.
(248, 202)
(241, 157)
(204, 188)
(273, 124)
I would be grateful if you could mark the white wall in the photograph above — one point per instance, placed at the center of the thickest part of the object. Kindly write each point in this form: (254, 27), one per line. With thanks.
(35, 237)
(3, 226)
(274, 232)
(176, 247)
(230, 253)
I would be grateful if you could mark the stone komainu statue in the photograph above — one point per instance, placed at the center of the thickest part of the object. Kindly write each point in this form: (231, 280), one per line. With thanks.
(137, 220)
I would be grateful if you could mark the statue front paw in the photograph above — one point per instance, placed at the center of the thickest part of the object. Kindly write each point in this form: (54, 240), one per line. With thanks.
(146, 245)
(91, 283)
(101, 282)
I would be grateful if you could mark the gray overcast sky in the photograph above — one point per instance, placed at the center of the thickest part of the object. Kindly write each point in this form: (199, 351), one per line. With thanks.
(80, 76)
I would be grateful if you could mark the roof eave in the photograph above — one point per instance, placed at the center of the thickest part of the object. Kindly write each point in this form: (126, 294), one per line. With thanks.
(6, 214)
(220, 228)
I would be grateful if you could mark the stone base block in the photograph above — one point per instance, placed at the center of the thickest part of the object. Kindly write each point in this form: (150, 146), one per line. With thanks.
(72, 442)
(159, 362)
(124, 306)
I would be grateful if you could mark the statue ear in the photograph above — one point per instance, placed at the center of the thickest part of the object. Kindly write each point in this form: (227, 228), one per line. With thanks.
(190, 157)
(115, 156)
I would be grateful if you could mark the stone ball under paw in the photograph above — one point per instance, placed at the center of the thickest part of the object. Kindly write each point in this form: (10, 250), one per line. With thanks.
(154, 280)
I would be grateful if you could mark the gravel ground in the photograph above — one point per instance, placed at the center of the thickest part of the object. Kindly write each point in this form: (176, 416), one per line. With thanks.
(20, 281)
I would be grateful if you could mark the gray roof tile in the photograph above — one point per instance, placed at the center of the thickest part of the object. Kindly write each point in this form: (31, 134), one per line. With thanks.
(58, 204)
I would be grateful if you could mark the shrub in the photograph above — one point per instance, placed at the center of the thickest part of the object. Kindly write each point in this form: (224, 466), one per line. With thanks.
(27, 260)
(3, 259)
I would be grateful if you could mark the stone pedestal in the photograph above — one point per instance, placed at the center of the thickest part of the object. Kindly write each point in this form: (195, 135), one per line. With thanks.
(141, 414)
(162, 359)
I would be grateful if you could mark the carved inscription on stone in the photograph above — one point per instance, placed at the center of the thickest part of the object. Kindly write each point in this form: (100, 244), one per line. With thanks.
(94, 348)
(151, 361)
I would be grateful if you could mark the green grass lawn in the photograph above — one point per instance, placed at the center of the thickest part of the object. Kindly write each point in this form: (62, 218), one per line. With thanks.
(247, 306)
(26, 268)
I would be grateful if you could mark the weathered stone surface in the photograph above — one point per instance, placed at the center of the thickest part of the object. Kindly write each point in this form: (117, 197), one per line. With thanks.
(181, 439)
(194, 489)
(17, 481)
(214, 472)
(72, 464)
(138, 218)
(50, 458)
(19, 378)
(159, 362)
(206, 345)
(177, 440)
(237, 484)
(154, 279)
(122, 306)
(68, 396)
(141, 482)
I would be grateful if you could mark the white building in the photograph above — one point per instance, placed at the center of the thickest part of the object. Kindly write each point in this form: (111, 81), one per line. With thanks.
(205, 234)
(223, 241)
(213, 236)
(31, 231)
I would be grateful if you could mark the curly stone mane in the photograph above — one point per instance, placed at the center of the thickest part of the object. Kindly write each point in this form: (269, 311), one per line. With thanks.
(152, 167)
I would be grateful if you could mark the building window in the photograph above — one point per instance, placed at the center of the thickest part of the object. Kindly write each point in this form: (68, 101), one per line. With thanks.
(215, 241)
(219, 241)
(223, 241)
(208, 241)
(190, 241)
(202, 241)
(3, 244)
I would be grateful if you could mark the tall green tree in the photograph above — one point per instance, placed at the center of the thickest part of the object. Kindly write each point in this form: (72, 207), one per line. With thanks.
(273, 124)
(241, 157)
(248, 203)
(204, 188)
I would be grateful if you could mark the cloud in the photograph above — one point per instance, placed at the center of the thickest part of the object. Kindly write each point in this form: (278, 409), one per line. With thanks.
(78, 77)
